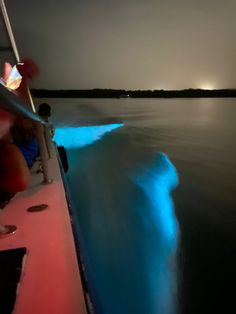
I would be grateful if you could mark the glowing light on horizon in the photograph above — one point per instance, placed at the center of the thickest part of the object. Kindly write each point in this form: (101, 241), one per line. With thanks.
(207, 87)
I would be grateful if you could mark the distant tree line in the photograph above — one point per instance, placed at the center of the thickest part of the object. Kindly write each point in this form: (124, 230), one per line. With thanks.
(121, 93)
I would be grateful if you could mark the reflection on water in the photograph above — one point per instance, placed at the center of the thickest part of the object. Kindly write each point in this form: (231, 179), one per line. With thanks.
(125, 216)
(199, 137)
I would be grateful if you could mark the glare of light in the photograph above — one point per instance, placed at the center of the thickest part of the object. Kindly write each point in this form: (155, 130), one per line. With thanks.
(207, 87)
(81, 136)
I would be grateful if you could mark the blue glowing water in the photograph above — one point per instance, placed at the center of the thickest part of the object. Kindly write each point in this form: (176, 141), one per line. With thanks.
(125, 220)
(199, 137)
(77, 137)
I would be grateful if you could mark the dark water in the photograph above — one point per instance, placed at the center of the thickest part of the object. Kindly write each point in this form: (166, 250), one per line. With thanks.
(198, 135)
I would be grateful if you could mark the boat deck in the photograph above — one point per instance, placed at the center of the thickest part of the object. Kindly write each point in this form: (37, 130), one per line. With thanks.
(50, 280)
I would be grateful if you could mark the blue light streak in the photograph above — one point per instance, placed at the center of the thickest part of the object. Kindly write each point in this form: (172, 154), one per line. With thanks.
(157, 181)
(77, 137)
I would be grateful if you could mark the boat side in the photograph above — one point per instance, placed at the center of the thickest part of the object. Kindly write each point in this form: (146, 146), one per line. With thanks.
(50, 280)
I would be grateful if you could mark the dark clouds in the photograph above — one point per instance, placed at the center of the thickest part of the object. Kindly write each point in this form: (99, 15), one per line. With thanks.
(128, 44)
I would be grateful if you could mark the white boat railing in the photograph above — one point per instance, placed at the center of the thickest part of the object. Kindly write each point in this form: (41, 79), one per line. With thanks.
(12, 103)
(13, 46)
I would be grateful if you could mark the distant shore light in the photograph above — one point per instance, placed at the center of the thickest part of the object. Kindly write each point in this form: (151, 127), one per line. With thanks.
(207, 87)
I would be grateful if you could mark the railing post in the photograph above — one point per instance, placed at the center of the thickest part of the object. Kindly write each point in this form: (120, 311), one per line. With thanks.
(43, 152)
(13, 44)
(48, 139)
(9, 31)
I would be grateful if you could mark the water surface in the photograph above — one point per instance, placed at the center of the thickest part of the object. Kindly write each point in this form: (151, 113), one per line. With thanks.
(198, 135)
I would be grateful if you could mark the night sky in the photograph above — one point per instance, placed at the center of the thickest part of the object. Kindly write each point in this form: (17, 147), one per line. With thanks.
(130, 44)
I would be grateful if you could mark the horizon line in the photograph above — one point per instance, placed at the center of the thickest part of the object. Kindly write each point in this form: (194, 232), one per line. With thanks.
(133, 90)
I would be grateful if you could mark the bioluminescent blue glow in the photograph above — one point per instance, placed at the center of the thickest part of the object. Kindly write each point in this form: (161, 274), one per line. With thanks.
(78, 137)
(124, 215)
(157, 181)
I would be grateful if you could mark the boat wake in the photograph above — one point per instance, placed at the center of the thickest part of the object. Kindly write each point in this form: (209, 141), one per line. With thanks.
(127, 229)
(76, 137)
